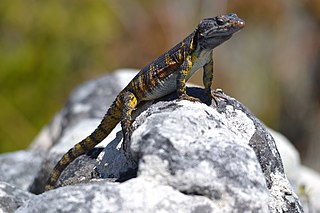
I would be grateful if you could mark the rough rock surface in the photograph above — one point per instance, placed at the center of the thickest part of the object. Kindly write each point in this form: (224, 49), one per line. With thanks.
(135, 195)
(81, 115)
(20, 168)
(305, 181)
(208, 160)
(12, 198)
(185, 157)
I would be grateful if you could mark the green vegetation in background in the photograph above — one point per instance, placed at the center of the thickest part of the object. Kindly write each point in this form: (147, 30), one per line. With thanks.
(43, 46)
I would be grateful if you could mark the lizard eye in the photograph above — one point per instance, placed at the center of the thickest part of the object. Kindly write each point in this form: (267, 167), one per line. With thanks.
(220, 21)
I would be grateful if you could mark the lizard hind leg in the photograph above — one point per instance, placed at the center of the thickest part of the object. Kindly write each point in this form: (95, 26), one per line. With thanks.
(129, 104)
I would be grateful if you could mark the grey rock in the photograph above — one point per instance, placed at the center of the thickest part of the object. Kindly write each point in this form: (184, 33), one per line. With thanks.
(206, 160)
(307, 183)
(184, 156)
(135, 195)
(114, 164)
(238, 120)
(71, 136)
(289, 155)
(12, 198)
(282, 197)
(20, 168)
(80, 116)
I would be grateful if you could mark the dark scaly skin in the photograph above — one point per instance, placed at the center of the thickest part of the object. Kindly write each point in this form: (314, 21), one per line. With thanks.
(164, 75)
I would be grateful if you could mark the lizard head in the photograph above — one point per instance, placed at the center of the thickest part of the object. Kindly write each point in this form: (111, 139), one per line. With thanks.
(216, 30)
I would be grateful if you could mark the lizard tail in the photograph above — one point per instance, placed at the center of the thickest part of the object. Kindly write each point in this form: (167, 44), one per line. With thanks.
(108, 123)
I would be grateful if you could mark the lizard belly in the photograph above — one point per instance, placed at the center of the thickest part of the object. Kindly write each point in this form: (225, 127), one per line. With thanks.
(164, 87)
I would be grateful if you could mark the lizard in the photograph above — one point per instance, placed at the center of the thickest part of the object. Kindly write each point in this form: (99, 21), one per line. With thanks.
(164, 75)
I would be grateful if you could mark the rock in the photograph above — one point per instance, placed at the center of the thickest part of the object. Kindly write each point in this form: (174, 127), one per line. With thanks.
(89, 101)
(71, 136)
(135, 195)
(81, 115)
(183, 156)
(208, 160)
(20, 168)
(305, 181)
(289, 155)
(11, 197)
(238, 120)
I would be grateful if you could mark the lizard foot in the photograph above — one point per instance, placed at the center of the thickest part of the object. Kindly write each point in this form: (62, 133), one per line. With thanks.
(189, 98)
(216, 95)
(126, 140)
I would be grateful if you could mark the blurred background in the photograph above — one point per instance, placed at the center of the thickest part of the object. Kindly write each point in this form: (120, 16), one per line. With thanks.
(47, 48)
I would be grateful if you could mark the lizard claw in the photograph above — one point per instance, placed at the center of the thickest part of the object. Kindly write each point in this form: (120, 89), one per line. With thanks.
(216, 95)
(125, 146)
(189, 98)
(126, 140)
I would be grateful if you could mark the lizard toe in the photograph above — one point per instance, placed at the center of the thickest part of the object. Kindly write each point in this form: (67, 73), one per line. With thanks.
(189, 98)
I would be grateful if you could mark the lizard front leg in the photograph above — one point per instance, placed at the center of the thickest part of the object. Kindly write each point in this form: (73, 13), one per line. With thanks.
(182, 79)
(207, 82)
(208, 76)
(129, 103)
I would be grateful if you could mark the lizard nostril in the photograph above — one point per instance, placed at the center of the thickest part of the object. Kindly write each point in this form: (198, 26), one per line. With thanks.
(241, 24)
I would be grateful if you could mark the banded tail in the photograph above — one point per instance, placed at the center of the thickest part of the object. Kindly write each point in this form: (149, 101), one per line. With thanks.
(108, 123)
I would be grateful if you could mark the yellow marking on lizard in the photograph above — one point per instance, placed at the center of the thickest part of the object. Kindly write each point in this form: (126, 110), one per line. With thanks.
(141, 85)
(152, 80)
(168, 59)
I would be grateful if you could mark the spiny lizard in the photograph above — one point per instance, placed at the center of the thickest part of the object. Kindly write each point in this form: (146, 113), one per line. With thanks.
(166, 74)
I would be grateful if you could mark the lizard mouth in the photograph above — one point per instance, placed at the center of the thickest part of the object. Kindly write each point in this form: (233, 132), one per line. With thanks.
(220, 34)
